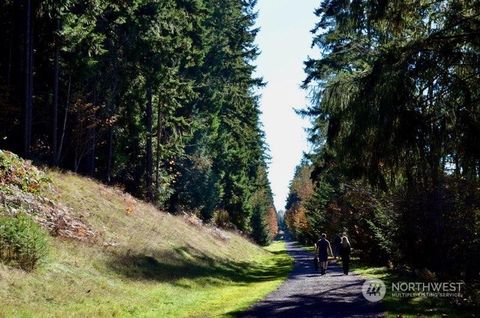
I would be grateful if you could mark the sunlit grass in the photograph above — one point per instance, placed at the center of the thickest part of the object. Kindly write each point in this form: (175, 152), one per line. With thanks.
(75, 288)
(145, 264)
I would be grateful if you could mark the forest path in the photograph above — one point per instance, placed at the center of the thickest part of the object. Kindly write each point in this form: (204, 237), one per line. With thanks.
(306, 293)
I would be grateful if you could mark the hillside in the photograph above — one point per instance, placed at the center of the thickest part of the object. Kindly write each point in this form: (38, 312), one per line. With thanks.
(113, 255)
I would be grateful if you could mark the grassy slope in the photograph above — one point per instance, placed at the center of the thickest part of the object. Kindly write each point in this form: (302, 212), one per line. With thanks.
(147, 263)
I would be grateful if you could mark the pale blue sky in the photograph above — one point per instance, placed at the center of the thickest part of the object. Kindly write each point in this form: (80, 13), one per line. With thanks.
(284, 41)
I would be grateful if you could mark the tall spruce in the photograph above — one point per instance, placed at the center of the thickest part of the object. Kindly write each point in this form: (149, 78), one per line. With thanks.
(155, 95)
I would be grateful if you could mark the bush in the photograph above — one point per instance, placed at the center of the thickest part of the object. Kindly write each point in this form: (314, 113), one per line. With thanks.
(21, 174)
(221, 219)
(439, 228)
(22, 242)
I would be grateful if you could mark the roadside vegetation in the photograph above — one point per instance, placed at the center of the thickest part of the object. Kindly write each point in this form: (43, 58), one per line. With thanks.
(412, 307)
(109, 254)
(395, 160)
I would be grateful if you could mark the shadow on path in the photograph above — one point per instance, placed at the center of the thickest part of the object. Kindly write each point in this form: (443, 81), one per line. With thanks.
(306, 293)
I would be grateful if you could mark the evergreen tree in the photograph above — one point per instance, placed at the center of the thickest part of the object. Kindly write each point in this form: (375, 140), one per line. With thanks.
(395, 108)
(155, 95)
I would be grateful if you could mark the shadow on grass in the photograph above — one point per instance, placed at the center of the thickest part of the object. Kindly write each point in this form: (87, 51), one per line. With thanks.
(414, 307)
(424, 307)
(188, 263)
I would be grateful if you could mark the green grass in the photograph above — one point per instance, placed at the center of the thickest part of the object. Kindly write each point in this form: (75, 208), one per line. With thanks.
(409, 307)
(144, 263)
(144, 287)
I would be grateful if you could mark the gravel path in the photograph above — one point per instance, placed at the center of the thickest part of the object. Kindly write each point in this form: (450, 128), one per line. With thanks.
(306, 293)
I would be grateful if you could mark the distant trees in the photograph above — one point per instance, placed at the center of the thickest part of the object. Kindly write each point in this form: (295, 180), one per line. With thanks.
(395, 120)
(158, 96)
(301, 189)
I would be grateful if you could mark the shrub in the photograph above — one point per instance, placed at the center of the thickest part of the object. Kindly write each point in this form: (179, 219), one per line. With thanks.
(20, 173)
(439, 228)
(221, 219)
(22, 242)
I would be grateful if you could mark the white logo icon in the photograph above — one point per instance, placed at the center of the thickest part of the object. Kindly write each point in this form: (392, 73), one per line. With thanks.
(374, 290)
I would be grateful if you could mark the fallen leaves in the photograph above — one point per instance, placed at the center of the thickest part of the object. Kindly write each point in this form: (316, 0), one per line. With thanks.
(20, 185)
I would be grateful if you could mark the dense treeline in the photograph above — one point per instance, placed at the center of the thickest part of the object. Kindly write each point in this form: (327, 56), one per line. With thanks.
(155, 95)
(396, 122)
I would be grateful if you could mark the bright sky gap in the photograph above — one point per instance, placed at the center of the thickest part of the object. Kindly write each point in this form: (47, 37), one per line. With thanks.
(284, 41)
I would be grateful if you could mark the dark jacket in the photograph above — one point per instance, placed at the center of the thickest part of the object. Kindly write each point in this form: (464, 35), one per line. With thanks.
(345, 251)
(323, 246)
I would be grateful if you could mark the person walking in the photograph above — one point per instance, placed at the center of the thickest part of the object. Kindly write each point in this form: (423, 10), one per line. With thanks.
(345, 250)
(323, 248)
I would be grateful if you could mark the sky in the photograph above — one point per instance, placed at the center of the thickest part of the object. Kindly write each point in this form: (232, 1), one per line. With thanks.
(284, 41)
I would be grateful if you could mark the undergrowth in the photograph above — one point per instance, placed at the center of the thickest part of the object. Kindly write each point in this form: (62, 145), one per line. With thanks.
(22, 242)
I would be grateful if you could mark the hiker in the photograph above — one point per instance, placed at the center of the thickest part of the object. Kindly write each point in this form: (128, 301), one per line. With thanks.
(337, 241)
(323, 248)
(345, 254)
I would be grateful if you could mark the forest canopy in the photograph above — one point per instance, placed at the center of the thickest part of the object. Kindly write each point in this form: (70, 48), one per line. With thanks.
(157, 96)
(396, 124)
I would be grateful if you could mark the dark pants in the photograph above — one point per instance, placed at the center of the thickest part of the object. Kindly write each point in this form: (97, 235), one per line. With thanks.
(346, 264)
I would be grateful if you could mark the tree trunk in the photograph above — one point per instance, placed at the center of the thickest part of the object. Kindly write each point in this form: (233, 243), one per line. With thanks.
(55, 98)
(159, 141)
(111, 111)
(92, 142)
(10, 62)
(91, 138)
(149, 156)
(76, 160)
(109, 154)
(28, 80)
(64, 127)
(457, 164)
